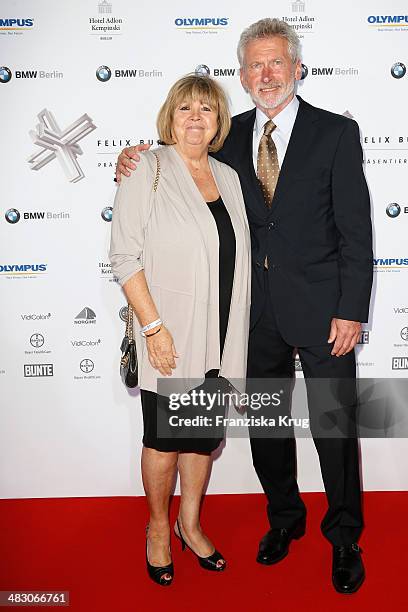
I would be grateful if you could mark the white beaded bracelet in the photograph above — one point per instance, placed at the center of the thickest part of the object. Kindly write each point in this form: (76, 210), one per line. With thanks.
(150, 326)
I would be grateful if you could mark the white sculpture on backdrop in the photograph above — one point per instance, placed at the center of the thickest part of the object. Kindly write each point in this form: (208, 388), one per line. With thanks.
(60, 144)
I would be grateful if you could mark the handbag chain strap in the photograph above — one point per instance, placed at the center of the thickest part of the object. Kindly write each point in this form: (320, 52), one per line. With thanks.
(129, 323)
(158, 169)
(129, 318)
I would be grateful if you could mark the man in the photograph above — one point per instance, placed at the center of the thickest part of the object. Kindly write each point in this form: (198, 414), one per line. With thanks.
(308, 208)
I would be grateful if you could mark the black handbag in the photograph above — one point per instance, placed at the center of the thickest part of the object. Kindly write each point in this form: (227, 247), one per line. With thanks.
(128, 361)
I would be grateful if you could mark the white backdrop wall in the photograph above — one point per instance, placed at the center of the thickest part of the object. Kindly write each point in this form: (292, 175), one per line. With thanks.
(77, 432)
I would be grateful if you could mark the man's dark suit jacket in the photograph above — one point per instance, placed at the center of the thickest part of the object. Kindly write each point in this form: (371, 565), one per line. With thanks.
(317, 234)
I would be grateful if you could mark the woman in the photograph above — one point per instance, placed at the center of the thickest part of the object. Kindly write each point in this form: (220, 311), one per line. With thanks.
(182, 256)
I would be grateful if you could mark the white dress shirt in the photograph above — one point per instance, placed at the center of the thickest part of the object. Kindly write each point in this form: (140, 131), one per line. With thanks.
(284, 122)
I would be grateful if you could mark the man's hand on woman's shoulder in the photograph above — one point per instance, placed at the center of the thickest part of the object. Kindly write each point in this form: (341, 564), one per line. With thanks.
(127, 158)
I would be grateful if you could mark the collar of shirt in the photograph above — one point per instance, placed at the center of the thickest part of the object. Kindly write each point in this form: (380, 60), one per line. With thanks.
(284, 122)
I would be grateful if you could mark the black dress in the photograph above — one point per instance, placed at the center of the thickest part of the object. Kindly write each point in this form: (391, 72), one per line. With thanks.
(152, 404)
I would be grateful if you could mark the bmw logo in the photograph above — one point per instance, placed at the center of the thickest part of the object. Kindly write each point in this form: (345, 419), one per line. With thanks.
(404, 333)
(305, 72)
(393, 210)
(5, 74)
(12, 215)
(202, 70)
(106, 213)
(398, 70)
(123, 313)
(103, 73)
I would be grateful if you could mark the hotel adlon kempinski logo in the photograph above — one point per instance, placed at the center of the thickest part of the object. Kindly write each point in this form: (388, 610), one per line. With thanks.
(300, 18)
(105, 24)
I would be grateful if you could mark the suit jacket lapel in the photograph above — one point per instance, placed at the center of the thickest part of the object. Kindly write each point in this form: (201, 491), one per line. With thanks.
(298, 148)
(243, 164)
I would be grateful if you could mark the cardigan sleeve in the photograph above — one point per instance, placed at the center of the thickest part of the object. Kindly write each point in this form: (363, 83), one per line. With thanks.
(131, 212)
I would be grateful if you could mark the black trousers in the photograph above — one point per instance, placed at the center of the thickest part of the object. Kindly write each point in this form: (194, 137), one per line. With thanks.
(274, 459)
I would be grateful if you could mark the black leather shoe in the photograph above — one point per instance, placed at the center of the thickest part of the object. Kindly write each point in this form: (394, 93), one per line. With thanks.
(214, 563)
(274, 546)
(348, 569)
(161, 575)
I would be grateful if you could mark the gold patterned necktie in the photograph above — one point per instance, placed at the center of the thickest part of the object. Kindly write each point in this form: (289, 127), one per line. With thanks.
(268, 164)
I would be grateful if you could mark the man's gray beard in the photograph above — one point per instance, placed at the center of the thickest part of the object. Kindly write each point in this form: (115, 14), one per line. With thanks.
(260, 102)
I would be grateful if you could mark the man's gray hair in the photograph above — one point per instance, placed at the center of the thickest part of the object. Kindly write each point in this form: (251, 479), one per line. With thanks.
(265, 28)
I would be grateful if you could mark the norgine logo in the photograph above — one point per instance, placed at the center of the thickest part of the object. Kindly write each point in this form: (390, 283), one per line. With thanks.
(383, 19)
(200, 22)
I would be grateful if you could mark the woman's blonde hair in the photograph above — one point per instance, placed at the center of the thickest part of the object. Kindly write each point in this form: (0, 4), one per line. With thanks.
(195, 87)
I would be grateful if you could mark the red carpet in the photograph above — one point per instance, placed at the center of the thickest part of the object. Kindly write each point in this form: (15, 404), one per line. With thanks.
(94, 548)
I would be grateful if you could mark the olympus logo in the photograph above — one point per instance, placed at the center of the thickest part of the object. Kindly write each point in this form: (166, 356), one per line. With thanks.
(16, 24)
(16, 269)
(201, 23)
(389, 262)
(388, 19)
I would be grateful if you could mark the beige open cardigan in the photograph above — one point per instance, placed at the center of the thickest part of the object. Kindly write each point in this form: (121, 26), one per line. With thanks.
(171, 234)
